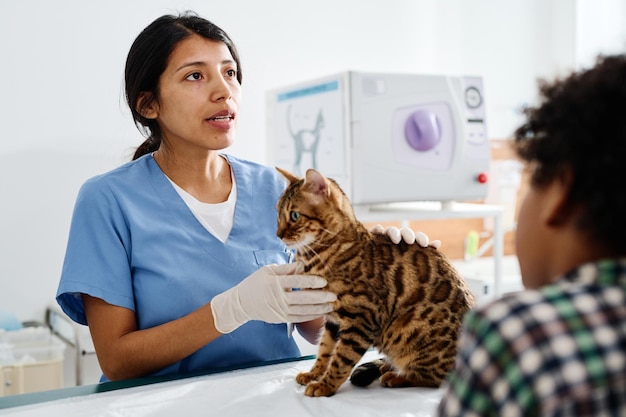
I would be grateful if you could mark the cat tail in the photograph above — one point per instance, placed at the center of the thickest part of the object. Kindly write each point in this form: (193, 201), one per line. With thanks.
(366, 373)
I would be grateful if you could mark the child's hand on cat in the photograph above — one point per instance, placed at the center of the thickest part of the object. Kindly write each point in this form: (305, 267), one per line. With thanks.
(267, 295)
(406, 234)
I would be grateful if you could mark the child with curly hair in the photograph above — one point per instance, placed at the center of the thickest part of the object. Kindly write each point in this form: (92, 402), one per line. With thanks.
(559, 347)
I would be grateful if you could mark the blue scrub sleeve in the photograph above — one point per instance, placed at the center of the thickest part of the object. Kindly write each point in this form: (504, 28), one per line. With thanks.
(97, 259)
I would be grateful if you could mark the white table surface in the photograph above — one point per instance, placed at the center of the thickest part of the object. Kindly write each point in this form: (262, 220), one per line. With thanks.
(268, 390)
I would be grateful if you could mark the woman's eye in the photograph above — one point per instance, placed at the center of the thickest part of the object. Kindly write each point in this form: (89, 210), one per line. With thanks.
(294, 216)
(194, 76)
(231, 73)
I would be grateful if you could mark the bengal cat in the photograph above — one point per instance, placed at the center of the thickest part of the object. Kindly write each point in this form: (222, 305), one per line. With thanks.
(405, 300)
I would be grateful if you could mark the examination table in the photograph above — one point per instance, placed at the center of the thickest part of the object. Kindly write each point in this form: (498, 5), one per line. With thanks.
(267, 389)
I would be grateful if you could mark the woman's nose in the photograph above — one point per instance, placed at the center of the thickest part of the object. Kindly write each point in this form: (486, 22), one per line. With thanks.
(220, 90)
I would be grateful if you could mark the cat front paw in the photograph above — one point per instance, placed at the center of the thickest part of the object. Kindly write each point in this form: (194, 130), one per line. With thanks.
(319, 389)
(304, 378)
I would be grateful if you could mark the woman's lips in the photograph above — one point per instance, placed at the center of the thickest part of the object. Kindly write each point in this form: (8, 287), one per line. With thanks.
(222, 120)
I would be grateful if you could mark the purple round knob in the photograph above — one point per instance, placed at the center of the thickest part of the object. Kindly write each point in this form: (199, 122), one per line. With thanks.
(422, 130)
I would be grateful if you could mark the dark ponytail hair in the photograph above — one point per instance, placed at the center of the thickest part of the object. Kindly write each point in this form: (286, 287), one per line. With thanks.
(147, 60)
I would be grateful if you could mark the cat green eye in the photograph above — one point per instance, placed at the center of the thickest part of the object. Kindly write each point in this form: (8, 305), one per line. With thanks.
(294, 216)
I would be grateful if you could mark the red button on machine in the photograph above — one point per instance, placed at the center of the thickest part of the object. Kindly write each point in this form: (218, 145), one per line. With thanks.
(482, 178)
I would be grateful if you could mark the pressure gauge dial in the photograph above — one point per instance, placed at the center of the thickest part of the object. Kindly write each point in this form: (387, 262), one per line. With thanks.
(473, 99)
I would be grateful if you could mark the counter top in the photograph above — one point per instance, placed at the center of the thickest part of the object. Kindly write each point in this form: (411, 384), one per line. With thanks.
(267, 389)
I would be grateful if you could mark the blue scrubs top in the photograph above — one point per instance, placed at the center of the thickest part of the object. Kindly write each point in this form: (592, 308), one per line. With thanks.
(135, 244)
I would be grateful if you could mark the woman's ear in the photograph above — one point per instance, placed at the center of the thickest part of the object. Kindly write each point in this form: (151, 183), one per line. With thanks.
(147, 106)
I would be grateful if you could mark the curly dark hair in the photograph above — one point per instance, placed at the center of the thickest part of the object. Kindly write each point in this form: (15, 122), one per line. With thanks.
(581, 125)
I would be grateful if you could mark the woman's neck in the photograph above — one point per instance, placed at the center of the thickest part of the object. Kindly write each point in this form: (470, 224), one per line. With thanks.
(207, 177)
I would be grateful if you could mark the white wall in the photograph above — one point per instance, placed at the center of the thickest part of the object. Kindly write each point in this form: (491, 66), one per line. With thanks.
(600, 28)
(63, 119)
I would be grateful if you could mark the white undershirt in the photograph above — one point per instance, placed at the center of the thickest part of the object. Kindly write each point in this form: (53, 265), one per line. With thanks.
(216, 218)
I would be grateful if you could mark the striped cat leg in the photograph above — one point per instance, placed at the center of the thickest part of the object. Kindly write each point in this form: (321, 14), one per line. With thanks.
(393, 379)
(418, 376)
(428, 368)
(348, 352)
(366, 373)
(324, 352)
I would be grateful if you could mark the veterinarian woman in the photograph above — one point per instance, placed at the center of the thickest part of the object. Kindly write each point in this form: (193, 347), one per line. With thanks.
(173, 259)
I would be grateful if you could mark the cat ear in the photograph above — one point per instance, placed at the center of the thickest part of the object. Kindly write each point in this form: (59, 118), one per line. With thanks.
(290, 177)
(316, 182)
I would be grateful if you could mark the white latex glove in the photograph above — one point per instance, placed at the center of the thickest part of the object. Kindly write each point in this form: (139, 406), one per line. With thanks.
(267, 295)
(408, 235)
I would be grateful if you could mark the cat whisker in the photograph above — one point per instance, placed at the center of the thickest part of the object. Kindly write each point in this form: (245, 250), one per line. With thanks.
(330, 232)
(313, 253)
(335, 234)
(310, 250)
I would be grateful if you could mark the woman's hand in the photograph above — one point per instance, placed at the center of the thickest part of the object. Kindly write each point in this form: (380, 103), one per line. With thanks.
(267, 295)
(407, 235)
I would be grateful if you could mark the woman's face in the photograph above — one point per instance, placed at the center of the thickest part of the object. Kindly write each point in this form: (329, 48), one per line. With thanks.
(198, 98)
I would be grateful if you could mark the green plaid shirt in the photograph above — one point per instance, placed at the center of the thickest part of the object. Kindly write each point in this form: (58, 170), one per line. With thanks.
(557, 351)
